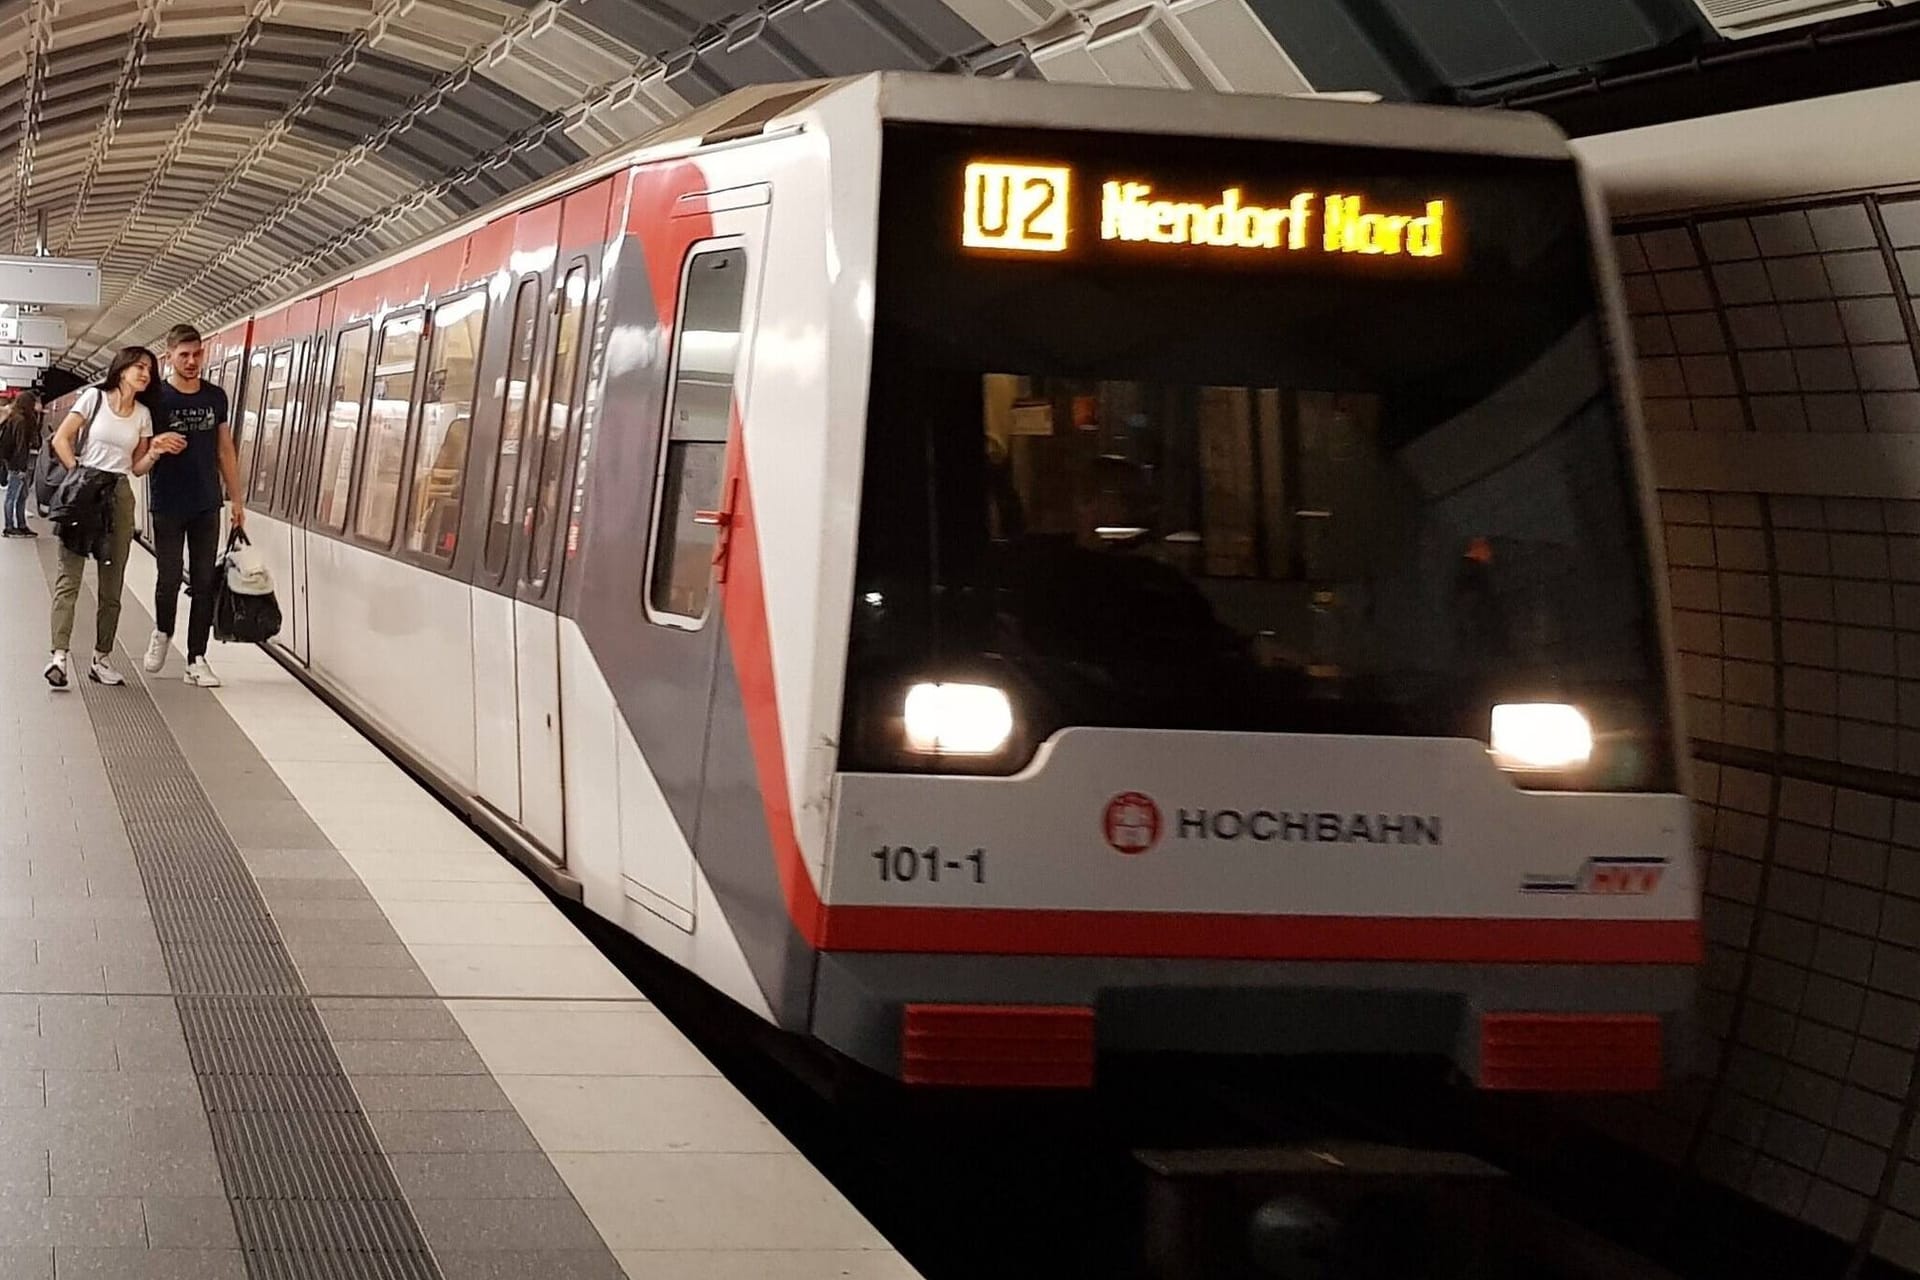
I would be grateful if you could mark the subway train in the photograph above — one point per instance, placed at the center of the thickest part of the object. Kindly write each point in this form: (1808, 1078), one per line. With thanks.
(991, 575)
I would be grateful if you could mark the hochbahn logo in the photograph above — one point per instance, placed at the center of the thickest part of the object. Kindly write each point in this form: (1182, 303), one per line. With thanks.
(1133, 824)
(1278, 825)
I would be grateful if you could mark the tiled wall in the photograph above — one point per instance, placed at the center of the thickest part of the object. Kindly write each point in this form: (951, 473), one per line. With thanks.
(1811, 996)
(1832, 585)
(1791, 320)
(1797, 616)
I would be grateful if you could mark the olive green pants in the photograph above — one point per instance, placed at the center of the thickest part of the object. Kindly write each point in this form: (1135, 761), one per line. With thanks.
(112, 576)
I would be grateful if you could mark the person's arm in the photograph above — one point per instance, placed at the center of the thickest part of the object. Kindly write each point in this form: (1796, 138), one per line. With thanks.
(230, 475)
(149, 448)
(66, 437)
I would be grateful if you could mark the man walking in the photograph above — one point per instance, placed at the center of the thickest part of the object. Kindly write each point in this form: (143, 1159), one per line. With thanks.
(184, 497)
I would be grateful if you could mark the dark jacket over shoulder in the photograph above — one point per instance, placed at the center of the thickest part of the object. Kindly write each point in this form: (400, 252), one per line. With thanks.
(82, 512)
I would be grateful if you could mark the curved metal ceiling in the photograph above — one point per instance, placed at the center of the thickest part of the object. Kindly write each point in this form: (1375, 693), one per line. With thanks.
(216, 153)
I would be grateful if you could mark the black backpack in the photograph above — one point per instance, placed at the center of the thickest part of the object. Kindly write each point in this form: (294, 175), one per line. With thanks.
(49, 471)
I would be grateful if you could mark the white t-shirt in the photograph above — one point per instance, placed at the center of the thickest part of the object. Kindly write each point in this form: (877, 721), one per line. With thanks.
(111, 439)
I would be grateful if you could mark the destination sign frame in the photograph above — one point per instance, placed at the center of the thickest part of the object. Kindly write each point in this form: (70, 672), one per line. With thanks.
(1015, 207)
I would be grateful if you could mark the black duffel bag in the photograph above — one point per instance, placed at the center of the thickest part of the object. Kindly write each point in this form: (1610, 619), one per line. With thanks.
(244, 608)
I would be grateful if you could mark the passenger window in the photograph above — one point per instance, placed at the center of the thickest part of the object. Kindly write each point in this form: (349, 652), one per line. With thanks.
(391, 405)
(343, 427)
(699, 418)
(446, 419)
(250, 412)
(273, 420)
(299, 429)
(503, 510)
(553, 453)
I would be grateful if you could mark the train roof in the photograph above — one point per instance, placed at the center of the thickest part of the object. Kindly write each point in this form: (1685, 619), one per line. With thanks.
(931, 98)
(922, 97)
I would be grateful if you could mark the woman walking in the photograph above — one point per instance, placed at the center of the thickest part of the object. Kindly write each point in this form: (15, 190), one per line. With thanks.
(109, 433)
(19, 441)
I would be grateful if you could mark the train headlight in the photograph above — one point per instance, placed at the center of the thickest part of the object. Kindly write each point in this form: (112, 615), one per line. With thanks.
(1541, 735)
(958, 719)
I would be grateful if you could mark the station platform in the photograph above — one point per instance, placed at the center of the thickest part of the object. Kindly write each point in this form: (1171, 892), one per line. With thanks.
(268, 1010)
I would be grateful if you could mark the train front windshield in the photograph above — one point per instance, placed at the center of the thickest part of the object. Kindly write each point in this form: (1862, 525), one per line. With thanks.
(1217, 435)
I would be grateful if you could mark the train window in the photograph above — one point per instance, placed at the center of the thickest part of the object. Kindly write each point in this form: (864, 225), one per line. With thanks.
(343, 427)
(1176, 492)
(249, 427)
(446, 417)
(521, 392)
(446, 421)
(699, 415)
(318, 407)
(299, 427)
(391, 405)
(553, 453)
(273, 421)
(229, 382)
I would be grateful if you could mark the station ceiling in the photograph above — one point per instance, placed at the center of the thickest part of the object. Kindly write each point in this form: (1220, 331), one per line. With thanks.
(217, 154)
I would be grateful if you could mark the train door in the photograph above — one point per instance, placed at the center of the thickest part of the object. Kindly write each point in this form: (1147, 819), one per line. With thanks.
(286, 491)
(300, 476)
(309, 365)
(516, 649)
(304, 478)
(496, 697)
(694, 491)
(547, 457)
(274, 425)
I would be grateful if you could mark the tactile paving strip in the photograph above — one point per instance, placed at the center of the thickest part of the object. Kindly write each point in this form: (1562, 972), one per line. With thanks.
(313, 1196)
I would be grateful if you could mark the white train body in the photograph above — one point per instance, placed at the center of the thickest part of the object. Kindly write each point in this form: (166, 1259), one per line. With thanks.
(1045, 628)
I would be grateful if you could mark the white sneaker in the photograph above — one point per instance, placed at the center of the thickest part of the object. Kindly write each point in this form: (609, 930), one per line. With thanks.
(157, 647)
(58, 671)
(199, 673)
(102, 672)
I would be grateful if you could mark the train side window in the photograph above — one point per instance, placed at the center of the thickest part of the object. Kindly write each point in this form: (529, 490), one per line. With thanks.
(273, 421)
(296, 430)
(249, 425)
(391, 406)
(446, 420)
(553, 452)
(503, 510)
(303, 477)
(344, 403)
(228, 380)
(706, 352)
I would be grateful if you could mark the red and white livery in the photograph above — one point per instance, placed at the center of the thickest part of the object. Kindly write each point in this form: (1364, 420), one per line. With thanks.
(988, 574)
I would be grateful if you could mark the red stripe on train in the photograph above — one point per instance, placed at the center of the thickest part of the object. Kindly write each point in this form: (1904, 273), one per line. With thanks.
(744, 600)
(1220, 936)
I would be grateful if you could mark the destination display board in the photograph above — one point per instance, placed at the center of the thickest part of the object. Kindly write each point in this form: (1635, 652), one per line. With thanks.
(1028, 200)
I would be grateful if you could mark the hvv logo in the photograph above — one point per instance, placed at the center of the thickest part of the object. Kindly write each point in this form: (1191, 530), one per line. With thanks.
(1603, 876)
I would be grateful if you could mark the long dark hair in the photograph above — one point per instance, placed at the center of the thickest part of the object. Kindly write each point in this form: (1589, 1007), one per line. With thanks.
(24, 409)
(125, 359)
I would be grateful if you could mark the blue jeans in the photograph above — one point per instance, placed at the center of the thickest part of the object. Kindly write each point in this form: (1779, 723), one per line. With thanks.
(18, 483)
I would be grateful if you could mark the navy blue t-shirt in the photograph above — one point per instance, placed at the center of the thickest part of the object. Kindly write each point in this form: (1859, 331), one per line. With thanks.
(183, 485)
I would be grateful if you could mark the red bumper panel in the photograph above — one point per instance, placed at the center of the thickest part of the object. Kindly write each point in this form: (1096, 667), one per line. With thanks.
(997, 1046)
(1570, 1052)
